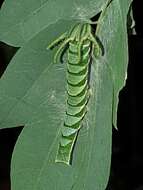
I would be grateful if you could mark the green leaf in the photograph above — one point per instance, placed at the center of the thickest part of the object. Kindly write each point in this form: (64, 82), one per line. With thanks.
(112, 31)
(33, 165)
(22, 20)
(39, 92)
(131, 22)
(32, 93)
(23, 73)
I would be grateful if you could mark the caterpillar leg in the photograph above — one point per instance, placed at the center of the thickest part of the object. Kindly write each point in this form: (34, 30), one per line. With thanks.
(61, 49)
(57, 41)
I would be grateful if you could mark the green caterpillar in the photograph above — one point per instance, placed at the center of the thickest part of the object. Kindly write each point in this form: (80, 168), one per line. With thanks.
(81, 46)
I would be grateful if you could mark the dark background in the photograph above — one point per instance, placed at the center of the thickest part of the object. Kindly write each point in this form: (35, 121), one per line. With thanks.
(127, 156)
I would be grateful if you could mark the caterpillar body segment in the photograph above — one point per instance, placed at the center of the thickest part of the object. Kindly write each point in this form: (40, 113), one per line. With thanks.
(80, 44)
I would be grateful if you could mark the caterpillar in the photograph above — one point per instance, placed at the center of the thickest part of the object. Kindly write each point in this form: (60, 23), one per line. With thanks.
(81, 45)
